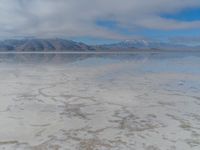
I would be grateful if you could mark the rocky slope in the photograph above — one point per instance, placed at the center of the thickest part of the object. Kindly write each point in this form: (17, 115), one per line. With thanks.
(61, 45)
(43, 45)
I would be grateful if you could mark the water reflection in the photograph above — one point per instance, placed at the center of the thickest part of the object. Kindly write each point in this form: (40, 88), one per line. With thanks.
(72, 57)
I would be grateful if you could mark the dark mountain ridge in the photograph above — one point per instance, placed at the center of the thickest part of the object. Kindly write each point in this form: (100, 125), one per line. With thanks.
(148, 45)
(43, 45)
(62, 45)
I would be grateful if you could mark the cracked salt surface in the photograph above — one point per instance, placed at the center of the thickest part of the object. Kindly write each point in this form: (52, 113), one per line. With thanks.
(113, 105)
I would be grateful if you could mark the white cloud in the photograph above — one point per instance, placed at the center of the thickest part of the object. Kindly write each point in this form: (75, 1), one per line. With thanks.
(74, 18)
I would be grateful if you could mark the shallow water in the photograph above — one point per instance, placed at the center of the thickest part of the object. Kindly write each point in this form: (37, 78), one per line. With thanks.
(138, 101)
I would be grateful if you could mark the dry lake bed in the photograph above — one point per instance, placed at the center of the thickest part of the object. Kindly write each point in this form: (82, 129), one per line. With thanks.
(139, 101)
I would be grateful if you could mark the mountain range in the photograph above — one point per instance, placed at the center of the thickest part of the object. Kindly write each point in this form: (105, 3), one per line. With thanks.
(62, 45)
(45, 45)
(148, 45)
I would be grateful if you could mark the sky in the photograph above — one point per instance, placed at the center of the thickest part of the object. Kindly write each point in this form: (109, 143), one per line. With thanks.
(102, 21)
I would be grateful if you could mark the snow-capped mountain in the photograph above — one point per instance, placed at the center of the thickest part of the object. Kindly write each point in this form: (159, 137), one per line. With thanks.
(68, 45)
(42, 45)
(145, 44)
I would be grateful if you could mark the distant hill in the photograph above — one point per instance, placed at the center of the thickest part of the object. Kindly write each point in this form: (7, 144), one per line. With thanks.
(148, 45)
(43, 45)
(61, 45)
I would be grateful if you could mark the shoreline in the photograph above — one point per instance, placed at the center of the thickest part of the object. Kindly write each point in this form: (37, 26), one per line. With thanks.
(96, 52)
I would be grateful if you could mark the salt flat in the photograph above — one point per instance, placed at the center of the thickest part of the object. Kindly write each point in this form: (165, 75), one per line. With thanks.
(101, 103)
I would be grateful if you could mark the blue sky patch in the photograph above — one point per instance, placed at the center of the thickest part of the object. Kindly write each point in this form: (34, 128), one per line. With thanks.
(185, 15)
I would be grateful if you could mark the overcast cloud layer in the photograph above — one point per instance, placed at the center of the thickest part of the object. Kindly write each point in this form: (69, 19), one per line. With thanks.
(76, 18)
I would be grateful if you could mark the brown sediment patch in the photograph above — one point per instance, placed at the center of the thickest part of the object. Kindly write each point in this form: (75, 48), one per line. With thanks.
(74, 110)
(166, 103)
(8, 142)
(92, 144)
(118, 141)
(17, 118)
(98, 131)
(193, 142)
(152, 147)
(14, 143)
(40, 125)
(46, 146)
(133, 123)
(138, 125)
(184, 124)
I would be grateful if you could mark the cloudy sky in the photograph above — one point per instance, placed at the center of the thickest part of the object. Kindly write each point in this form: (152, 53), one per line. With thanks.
(94, 21)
